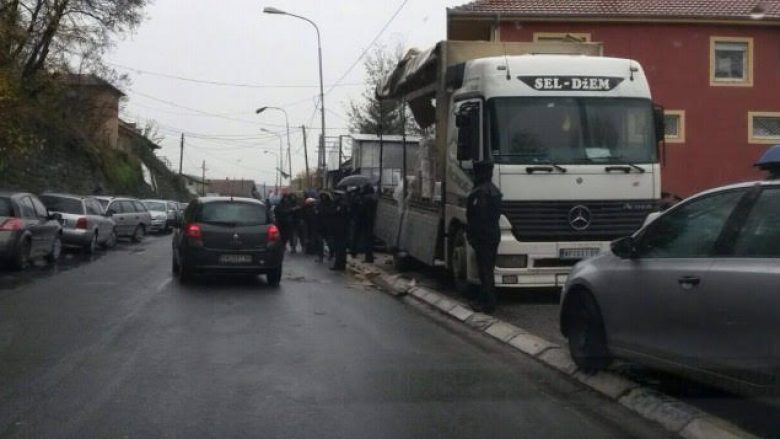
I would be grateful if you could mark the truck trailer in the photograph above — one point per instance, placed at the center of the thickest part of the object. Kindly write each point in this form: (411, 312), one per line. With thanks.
(574, 137)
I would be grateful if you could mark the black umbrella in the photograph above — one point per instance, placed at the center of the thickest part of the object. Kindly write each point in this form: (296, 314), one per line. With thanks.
(354, 180)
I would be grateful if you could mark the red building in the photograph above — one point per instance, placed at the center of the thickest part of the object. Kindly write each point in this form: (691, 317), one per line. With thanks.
(713, 64)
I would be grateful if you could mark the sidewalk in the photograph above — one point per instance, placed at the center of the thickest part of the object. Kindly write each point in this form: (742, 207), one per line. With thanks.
(675, 415)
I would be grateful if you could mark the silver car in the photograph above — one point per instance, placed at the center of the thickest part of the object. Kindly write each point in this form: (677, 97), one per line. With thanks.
(163, 215)
(694, 291)
(132, 218)
(84, 222)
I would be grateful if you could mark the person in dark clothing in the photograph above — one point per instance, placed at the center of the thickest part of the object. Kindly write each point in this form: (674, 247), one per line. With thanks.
(295, 222)
(310, 213)
(325, 219)
(353, 202)
(340, 230)
(364, 222)
(483, 210)
(284, 218)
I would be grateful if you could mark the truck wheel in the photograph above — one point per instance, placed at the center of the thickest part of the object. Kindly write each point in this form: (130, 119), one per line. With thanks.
(459, 263)
(586, 334)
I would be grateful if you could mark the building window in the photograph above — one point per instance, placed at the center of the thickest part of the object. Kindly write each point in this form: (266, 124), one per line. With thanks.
(731, 61)
(570, 37)
(763, 127)
(674, 125)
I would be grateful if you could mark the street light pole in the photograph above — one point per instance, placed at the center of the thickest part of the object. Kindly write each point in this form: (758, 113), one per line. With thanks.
(281, 154)
(287, 123)
(321, 165)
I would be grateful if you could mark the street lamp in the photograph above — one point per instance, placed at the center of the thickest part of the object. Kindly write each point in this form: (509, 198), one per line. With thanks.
(281, 151)
(275, 11)
(278, 169)
(287, 123)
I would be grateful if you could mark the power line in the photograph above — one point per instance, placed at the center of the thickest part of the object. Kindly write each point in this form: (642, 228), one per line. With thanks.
(370, 45)
(224, 84)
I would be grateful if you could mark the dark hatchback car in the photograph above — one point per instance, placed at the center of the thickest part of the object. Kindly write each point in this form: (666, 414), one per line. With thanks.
(27, 230)
(221, 235)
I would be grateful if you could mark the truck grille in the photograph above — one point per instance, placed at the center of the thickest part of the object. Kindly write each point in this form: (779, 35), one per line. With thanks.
(552, 220)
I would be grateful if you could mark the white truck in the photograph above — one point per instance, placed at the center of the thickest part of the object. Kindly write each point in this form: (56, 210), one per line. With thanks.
(575, 141)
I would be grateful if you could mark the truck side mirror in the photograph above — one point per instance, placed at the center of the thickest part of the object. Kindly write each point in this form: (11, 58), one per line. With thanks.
(660, 125)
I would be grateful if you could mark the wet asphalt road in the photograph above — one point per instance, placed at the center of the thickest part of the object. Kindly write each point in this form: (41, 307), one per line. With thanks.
(114, 347)
(536, 310)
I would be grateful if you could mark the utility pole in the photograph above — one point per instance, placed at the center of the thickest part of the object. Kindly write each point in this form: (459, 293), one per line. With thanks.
(181, 153)
(306, 157)
(203, 168)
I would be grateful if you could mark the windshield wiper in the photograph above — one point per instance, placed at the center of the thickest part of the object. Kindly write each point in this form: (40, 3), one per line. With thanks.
(627, 166)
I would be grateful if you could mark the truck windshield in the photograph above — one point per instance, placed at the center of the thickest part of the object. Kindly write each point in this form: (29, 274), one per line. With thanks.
(565, 130)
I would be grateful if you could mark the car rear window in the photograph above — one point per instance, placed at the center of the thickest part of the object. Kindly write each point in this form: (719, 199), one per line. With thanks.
(233, 213)
(5, 207)
(63, 205)
(156, 206)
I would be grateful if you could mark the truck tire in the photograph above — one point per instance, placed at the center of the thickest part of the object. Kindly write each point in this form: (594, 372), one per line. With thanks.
(459, 263)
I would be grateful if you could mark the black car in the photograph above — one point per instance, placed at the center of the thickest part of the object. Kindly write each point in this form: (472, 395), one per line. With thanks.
(27, 230)
(223, 235)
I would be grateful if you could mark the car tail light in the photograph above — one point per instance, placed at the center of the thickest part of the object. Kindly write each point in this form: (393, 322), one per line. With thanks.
(11, 225)
(193, 231)
(273, 233)
(81, 223)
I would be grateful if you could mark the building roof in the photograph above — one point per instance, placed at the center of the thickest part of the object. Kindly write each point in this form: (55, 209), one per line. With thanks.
(238, 188)
(385, 138)
(694, 10)
(89, 80)
(132, 130)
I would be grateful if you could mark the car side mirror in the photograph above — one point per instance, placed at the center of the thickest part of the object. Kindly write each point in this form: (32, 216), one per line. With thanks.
(110, 213)
(659, 118)
(624, 248)
(55, 216)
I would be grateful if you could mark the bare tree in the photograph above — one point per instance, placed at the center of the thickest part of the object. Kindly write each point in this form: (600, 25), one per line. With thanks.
(37, 32)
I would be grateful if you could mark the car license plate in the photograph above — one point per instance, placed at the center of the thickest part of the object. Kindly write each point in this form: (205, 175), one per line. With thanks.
(235, 259)
(578, 253)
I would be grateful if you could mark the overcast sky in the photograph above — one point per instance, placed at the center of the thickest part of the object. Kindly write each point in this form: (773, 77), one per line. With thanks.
(231, 41)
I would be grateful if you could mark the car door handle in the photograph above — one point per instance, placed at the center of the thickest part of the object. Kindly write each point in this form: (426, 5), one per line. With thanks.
(688, 282)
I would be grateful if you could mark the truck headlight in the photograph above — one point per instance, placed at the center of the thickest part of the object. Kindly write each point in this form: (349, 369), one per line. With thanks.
(512, 261)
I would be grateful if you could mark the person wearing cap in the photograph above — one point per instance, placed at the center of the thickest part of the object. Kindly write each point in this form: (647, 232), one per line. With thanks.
(483, 211)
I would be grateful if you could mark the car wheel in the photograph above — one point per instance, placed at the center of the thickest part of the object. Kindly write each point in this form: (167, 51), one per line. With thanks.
(138, 233)
(174, 265)
(459, 264)
(22, 258)
(184, 272)
(586, 334)
(92, 246)
(56, 250)
(111, 240)
(274, 277)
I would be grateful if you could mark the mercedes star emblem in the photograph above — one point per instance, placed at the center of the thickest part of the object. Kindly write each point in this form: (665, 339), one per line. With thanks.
(580, 217)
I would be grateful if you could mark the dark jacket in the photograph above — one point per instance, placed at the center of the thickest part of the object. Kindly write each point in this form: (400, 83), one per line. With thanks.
(483, 211)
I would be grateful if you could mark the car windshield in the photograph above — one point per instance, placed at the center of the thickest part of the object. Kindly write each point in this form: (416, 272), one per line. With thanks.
(567, 130)
(233, 213)
(63, 204)
(5, 207)
(155, 206)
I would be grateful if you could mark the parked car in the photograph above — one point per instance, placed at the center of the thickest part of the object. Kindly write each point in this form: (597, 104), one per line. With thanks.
(694, 290)
(163, 214)
(84, 222)
(132, 218)
(228, 236)
(27, 230)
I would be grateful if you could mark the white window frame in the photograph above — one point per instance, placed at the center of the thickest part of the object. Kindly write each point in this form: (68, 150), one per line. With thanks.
(680, 136)
(761, 139)
(747, 81)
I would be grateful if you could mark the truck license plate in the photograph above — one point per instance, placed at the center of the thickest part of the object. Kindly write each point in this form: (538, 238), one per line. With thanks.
(235, 259)
(578, 253)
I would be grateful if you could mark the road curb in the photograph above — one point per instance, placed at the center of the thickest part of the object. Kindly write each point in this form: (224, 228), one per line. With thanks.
(674, 415)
